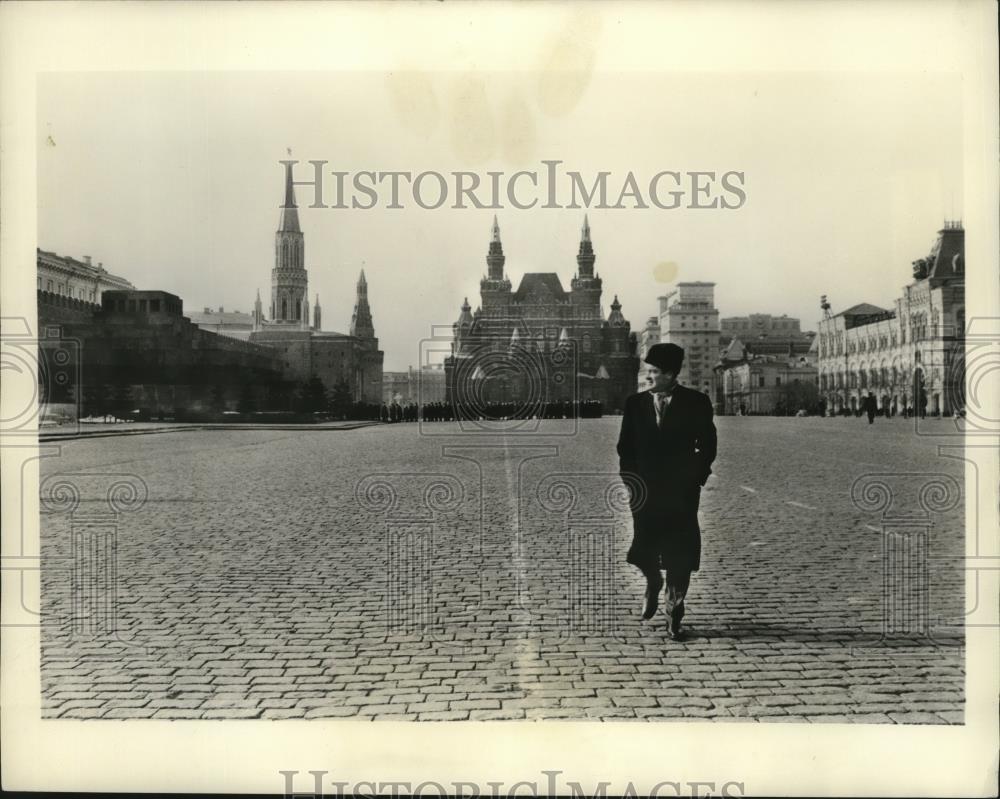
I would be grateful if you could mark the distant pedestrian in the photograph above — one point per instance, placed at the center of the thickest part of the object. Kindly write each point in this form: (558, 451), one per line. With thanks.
(870, 407)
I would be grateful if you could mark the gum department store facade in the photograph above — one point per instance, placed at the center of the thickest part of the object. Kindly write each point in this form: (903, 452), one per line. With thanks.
(911, 357)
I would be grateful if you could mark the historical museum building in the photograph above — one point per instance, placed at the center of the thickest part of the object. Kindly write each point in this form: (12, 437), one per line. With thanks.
(540, 343)
(63, 276)
(911, 357)
(291, 327)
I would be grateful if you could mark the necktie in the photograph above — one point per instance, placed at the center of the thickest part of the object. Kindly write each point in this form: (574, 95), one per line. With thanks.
(661, 403)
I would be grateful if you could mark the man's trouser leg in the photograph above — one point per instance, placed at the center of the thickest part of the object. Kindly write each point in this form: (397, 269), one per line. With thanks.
(654, 578)
(678, 581)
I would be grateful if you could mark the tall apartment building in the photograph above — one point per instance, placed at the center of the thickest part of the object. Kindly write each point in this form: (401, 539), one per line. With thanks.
(689, 318)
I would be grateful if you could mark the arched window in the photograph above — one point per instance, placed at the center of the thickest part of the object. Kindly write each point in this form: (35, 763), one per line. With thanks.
(298, 311)
(284, 253)
(284, 308)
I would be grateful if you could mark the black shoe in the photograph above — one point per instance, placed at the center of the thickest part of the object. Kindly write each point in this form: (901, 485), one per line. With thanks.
(678, 634)
(674, 630)
(652, 599)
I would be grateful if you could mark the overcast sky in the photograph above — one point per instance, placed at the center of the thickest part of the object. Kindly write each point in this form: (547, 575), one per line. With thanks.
(173, 181)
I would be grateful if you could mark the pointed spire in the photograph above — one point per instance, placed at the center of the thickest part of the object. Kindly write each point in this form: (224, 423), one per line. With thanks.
(361, 321)
(515, 337)
(615, 318)
(289, 211)
(258, 312)
(585, 257)
(495, 258)
(465, 317)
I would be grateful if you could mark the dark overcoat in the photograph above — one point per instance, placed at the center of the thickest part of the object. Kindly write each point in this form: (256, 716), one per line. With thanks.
(666, 467)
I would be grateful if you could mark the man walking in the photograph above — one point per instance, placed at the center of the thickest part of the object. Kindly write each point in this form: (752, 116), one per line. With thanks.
(870, 407)
(666, 449)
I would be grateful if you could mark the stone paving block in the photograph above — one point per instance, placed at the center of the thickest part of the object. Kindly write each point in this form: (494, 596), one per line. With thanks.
(684, 701)
(587, 701)
(611, 713)
(177, 703)
(276, 703)
(636, 701)
(426, 707)
(531, 702)
(282, 713)
(129, 713)
(374, 710)
(83, 713)
(777, 701)
(226, 704)
(475, 704)
(125, 703)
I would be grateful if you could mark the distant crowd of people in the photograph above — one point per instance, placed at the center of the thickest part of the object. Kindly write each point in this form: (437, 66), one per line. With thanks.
(868, 407)
(491, 411)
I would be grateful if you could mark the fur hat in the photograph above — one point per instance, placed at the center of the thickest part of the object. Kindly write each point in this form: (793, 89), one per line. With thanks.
(666, 357)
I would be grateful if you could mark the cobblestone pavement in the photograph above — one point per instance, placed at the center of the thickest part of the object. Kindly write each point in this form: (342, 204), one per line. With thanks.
(385, 574)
